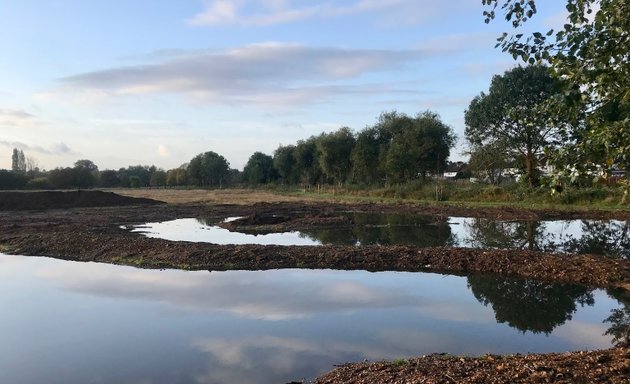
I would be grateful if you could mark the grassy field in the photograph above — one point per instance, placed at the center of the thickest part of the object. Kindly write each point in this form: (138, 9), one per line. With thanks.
(211, 196)
(451, 194)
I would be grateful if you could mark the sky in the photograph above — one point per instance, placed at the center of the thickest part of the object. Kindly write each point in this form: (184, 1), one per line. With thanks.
(123, 82)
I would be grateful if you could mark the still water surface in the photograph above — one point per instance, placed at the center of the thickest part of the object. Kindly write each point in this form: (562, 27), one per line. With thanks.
(69, 322)
(604, 237)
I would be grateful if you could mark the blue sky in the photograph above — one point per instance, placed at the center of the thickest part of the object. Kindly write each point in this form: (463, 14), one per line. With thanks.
(124, 82)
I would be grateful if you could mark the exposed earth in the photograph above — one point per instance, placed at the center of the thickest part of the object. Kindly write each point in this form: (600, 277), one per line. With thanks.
(95, 230)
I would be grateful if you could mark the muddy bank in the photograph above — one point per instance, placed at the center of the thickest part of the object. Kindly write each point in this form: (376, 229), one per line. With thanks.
(95, 235)
(18, 201)
(607, 366)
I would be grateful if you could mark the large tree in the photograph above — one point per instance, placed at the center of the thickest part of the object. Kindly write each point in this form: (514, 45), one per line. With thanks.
(506, 115)
(307, 161)
(208, 169)
(334, 154)
(18, 161)
(285, 164)
(259, 169)
(590, 53)
(422, 147)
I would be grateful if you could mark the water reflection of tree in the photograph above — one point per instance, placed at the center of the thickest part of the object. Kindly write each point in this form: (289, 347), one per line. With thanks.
(486, 233)
(611, 239)
(619, 320)
(374, 229)
(529, 305)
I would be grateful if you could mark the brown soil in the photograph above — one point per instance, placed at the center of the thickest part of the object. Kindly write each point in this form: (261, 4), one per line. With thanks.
(607, 366)
(17, 201)
(95, 234)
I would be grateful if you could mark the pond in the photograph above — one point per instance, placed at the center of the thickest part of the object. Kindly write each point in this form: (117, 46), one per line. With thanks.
(605, 237)
(69, 322)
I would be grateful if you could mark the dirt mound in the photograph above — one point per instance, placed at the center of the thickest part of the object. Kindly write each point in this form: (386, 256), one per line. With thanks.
(607, 366)
(18, 201)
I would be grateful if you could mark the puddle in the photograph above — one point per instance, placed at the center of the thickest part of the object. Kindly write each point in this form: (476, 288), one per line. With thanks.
(88, 322)
(610, 238)
(198, 231)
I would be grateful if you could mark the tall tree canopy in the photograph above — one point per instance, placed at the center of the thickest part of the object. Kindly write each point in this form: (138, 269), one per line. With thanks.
(18, 161)
(334, 154)
(423, 146)
(307, 161)
(208, 169)
(259, 169)
(591, 53)
(504, 116)
(284, 162)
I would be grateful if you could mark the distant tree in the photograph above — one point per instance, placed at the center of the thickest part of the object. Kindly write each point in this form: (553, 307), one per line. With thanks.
(32, 167)
(176, 177)
(63, 178)
(366, 156)
(135, 181)
(307, 161)
(259, 169)
(285, 164)
(85, 174)
(86, 164)
(421, 148)
(234, 177)
(506, 115)
(12, 180)
(141, 172)
(158, 178)
(109, 179)
(208, 169)
(18, 161)
(334, 154)
(489, 161)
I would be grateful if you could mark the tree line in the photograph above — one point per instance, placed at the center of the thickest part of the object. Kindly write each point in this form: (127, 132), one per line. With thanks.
(396, 149)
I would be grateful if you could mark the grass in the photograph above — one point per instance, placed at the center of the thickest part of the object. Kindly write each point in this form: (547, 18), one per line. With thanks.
(452, 194)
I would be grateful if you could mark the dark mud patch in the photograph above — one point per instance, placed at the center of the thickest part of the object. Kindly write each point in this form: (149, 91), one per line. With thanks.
(17, 201)
(606, 366)
(95, 234)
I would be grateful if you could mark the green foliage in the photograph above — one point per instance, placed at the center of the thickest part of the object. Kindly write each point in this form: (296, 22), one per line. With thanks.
(12, 179)
(37, 183)
(18, 161)
(259, 169)
(285, 164)
(504, 118)
(307, 161)
(135, 182)
(591, 54)
(109, 179)
(208, 169)
(424, 146)
(334, 154)
(158, 178)
(176, 177)
(489, 161)
(366, 156)
(141, 172)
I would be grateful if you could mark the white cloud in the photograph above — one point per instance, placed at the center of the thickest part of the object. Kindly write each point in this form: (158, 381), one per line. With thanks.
(54, 149)
(272, 12)
(267, 74)
(16, 118)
